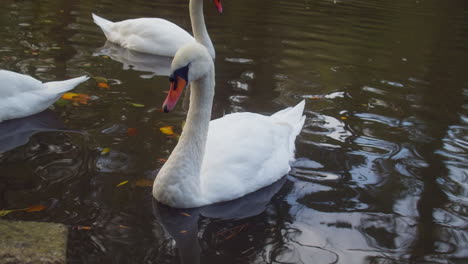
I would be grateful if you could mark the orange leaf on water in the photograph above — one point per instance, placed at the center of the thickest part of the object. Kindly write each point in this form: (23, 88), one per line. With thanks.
(82, 227)
(183, 231)
(168, 130)
(144, 183)
(103, 85)
(131, 131)
(185, 214)
(35, 208)
(344, 118)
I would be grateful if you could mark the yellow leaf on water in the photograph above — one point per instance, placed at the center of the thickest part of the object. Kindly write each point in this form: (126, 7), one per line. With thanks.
(344, 118)
(122, 183)
(168, 130)
(78, 98)
(35, 208)
(136, 105)
(105, 151)
(69, 96)
(144, 183)
(185, 214)
(5, 212)
(183, 231)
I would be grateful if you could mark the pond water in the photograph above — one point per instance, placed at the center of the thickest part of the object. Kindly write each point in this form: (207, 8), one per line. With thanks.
(381, 173)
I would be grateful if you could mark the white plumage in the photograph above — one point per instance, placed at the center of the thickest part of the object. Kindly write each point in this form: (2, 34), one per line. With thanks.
(22, 95)
(228, 157)
(156, 35)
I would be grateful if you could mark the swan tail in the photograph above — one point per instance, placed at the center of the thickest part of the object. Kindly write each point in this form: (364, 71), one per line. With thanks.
(104, 24)
(63, 86)
(293, 116)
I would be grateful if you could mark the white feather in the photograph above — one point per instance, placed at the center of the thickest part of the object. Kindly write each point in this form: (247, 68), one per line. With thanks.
(22, 95)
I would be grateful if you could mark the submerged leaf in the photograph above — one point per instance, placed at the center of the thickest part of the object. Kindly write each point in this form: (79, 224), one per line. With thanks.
(122, 183)
(100, 79)
(144, 183)
(131, 131)
(35, 208)
(168, 130)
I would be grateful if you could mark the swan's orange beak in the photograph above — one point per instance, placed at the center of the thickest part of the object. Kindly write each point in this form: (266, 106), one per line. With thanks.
(177, 86)
(218, 5)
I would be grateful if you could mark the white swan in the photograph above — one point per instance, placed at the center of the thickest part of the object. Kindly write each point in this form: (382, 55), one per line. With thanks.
(158, 36)
(22, 95)
(228, 157)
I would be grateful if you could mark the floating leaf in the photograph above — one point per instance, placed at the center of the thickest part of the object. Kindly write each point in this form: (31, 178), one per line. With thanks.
(183, 231)
(162, 160)
(100, 79)
(144, 183)
(82, 227)
(122, 183)
(35, 208)
(74, 97)
(5, 212)
(315, 97)
(105, 151)
(105, 57)
(344, 118)
(168, 130)
(185, 214)
(103, 85)
(123, 226)
(136, 105)
(131, 131)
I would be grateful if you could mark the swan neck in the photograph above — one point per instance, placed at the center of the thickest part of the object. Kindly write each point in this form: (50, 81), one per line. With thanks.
(178, 182)
(200, 32)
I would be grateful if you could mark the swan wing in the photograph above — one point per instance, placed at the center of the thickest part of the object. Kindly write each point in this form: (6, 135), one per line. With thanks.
(245, 152)
(13, 83)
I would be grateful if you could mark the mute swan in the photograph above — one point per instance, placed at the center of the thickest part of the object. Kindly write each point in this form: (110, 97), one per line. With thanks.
(228, 157)
(158, 36)
(22, 95)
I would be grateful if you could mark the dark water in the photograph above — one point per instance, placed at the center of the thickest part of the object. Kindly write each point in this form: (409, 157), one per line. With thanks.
(381, 175)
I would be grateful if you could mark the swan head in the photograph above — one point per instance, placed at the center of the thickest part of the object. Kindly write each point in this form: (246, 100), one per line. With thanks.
(218, 5)
(191, 62)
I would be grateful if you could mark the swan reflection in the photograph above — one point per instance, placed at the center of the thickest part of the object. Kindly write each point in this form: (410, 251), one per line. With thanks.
(139, 61)
(182, 224)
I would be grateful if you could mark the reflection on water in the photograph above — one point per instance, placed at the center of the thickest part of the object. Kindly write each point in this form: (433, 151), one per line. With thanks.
(381, 175)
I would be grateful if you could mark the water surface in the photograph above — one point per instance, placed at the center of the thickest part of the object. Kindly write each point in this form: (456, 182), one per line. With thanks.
(381, 174)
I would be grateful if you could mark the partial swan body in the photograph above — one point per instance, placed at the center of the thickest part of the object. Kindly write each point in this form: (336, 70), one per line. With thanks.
(158, 36)
(22, 95)
(226, 158)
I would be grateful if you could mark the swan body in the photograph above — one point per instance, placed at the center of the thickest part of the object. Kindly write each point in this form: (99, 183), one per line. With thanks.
(156, 35)
(226, 158)
(22, 95)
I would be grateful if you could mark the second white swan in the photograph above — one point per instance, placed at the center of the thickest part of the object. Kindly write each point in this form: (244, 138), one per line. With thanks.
(228, 157)
(156, 35)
